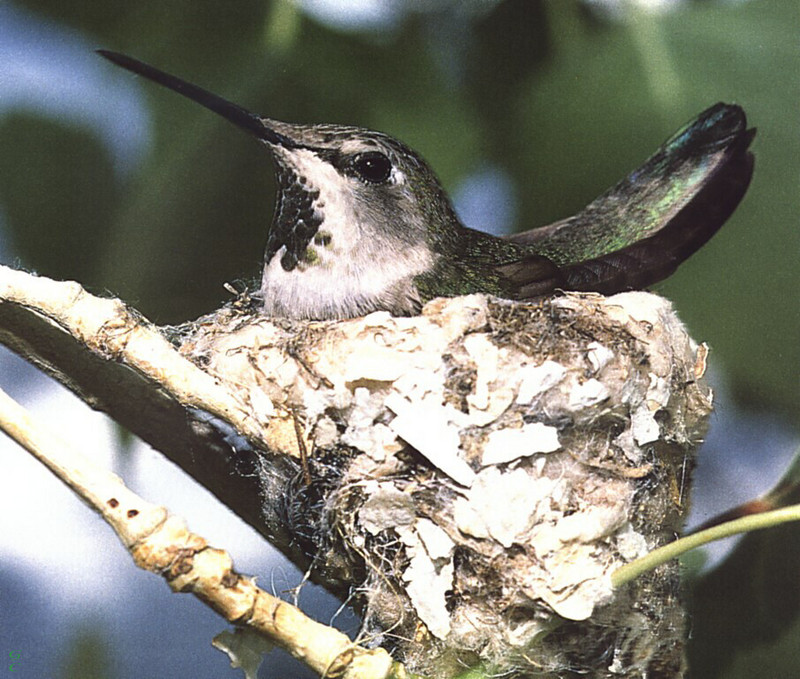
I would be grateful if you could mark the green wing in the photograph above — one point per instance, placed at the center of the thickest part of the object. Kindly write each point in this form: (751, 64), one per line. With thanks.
(638, 232)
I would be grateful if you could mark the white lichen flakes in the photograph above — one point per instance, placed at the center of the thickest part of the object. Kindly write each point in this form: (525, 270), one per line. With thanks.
(485, 467)
(507, 445)
(534, 380)
(427, 581)
(426, 426)
(502, 506)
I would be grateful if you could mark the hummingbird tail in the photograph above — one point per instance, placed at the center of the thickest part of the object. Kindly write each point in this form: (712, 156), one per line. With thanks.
(655, 258)
(640, 231)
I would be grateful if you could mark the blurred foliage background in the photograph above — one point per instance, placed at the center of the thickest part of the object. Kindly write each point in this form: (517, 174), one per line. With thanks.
(527, 109)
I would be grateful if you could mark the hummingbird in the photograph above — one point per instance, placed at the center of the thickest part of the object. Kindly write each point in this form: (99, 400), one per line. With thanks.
(362, 223)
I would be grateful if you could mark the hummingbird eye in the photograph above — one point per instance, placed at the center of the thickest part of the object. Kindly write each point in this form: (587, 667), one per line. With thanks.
(372, 166)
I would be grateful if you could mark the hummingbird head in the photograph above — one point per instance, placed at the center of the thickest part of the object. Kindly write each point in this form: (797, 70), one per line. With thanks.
(358, 214)
(339, 185)
(353, 222)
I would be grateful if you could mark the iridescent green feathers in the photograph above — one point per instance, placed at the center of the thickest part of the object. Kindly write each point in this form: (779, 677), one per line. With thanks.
(638, 232)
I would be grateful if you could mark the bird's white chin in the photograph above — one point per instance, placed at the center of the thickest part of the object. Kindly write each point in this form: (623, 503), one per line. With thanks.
(327, 285)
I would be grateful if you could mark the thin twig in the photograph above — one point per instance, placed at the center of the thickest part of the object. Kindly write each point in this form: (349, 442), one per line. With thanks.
(674, 549)
(301, 446)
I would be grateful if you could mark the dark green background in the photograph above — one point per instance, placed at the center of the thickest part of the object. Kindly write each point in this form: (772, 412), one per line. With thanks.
(566, 101)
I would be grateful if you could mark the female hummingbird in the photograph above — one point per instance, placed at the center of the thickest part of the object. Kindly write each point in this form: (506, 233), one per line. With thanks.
(362, 223)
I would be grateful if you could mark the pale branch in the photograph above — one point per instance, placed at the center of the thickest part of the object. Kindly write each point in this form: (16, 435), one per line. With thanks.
(162, 544)
(119, 363)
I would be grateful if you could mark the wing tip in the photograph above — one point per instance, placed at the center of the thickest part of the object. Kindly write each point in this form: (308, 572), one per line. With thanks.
(718, 127)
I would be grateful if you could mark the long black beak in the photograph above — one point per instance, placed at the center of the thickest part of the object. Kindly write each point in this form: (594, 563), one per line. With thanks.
(235, 114)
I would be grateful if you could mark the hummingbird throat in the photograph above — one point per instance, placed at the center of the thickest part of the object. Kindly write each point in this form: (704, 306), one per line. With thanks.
(299, 214)
(322, 260)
